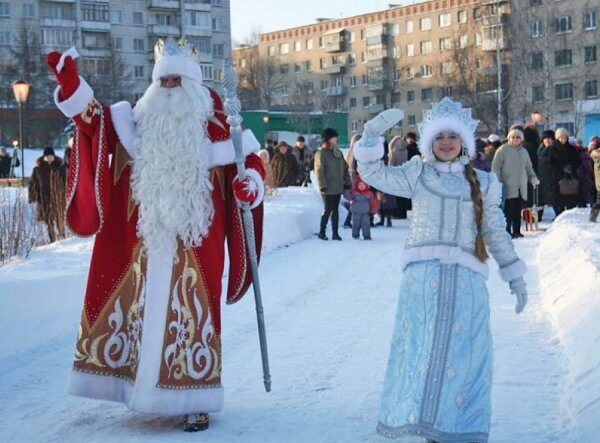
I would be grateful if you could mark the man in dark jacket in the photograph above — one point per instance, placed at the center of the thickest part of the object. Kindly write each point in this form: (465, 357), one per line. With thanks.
(47, 189)
(411, 145)
(284, 166)
(7, 163)
(305, 159)
(561, 155)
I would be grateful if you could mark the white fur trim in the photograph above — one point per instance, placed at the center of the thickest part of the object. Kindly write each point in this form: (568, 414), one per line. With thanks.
(445, 124)
(176, 65)
(71, 52)
(368, 155)
(446, 254)
(77, 103)
(253, 174)
(223, 153)
(122, 118)
(448, 166)
(143, 395)
(515, 270)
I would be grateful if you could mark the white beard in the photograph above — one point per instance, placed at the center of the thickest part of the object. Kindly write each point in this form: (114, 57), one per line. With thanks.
(170, 177)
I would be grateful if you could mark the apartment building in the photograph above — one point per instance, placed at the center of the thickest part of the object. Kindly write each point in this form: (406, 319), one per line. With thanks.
(115, 39)
(557, 73)
(406, 56)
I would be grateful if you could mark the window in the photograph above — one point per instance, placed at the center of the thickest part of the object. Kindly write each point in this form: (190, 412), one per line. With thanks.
(203, 44)
(426, 71)
(591, 88)
(409, 26)
(445, 43)
(162, 19)
(395, 98)
(462, 16)
(28, 10)
(351, 59)
(217, 2)
(322, 63)
(478, 39)
(589, 20)
(396, 53)
(365, 80)
(425, 24)
(4, 38)
(352, 102)
(366, 102)
(58, 37)
(537, 60)
(197, 19)
(412, 120)
(138, 19)
(351, 37)
(297, 68)
(563, 91)
(99, 66)
(410, 96)
(562, 24)
(4, 9)
(395, 29)
(94, 12)
(477, 63)
(397, 74)
(218, 24)
(218, 50)
(118, 43)
(116, 17)
(564, 57)
(410, 72)
(425, 47)
(537, 29)
(427, 94)
(285, 90)
(138, 71)
(309, 44)
(284, 69)
(535, 2)
(410, 50)
(380, 99)
(462, 41)
(271, 51)
(284, 48)
(352, 81)
(538, 93)
(446, 68)
(354, 125)
(95, 40)
(207, 71)
(308, 66)
(589, 54)
(297, 46)
(310, 87)
(323, 85)
(445, 20)
(477, 13)
(445, 91)
(138, 45)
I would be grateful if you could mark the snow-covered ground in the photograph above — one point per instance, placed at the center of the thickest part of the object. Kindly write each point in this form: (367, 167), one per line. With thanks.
(329, 308)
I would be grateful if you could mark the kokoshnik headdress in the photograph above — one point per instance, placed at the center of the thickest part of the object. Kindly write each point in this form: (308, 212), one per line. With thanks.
(446, 115)
(173, 57)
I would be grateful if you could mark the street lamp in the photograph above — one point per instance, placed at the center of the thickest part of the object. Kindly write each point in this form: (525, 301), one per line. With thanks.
(21, 91)
(536, 117)
(266, 119)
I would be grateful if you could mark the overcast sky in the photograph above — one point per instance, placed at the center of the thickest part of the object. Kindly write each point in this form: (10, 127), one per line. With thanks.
(248, 16)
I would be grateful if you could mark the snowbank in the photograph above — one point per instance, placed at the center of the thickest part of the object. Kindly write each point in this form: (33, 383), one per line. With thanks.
(569, 281)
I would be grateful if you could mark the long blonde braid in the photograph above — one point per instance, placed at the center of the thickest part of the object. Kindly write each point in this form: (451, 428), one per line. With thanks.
(480, 250)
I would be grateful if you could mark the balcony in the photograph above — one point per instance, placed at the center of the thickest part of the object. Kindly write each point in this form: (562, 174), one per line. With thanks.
(490, 44)
(57, 23)
(164, 30)
(198, 7)
(335, 69)
(335, 91)
(163, 4)
(333, 41)
(382, 39)
(376, 85)
(87, 25)
(197, 32)
(59, 1)
(376, 108)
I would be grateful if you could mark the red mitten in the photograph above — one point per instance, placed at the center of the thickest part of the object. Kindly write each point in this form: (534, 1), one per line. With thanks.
(68, 77)
(245, 190)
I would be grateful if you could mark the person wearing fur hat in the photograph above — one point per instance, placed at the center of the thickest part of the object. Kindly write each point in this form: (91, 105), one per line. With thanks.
(161, 226)
(594, 150)
(284, 166)
(513, 167)
(561, 155)
(47, 190)
(545, 173)
(438, 382)
(332, 179)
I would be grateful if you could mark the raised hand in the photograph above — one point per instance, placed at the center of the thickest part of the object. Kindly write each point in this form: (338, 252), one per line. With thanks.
(68, 77)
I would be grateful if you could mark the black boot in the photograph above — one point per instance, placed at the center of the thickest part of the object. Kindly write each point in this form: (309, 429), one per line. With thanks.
(335, 220)
(195, 422)
(322, 235)
(594, 215)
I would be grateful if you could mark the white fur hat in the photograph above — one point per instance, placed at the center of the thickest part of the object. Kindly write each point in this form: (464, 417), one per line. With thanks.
(447, 115)
(175, 58)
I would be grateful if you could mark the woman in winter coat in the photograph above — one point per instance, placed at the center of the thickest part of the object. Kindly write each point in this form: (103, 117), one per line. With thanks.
(546, 193)
(513, 168)
(265, 159)
(585, 174)
(561, 154)
(284, 166)
(332, 178)
(594, 150)
(439, 376)
(47, 188)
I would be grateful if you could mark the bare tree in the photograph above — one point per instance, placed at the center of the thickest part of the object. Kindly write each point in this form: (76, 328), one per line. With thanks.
(260, 79)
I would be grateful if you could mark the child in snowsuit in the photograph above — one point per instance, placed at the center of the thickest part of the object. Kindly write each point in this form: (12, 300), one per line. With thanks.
(362, 205)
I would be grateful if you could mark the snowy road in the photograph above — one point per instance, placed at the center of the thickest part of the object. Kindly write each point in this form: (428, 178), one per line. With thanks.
(329, 309)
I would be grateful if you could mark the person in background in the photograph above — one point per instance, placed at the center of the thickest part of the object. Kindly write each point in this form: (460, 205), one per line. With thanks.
(47, 188)
(491, 146)
(531, 143)
(561, 154)
(594, 150)
(305, 158)
(332, 179)
(398, 155)
(284, 166)
(585, 174)
(513, 167)
(479, 160)
(270, 147)
(265, 157)
(362, 204)
(8, 163)
(351, 162)
(412, 148)
(546, 194)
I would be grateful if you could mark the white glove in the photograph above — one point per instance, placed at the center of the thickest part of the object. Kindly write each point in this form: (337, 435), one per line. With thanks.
(535, 182)
(518, 287)
(379, 124)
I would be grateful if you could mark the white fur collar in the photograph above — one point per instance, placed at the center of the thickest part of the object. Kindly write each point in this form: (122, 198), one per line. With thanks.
(449, 167)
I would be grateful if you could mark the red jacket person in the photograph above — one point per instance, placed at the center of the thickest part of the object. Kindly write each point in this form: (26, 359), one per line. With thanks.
(156, 184)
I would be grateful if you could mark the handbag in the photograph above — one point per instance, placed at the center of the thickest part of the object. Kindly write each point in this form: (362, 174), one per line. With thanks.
(568, 186)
